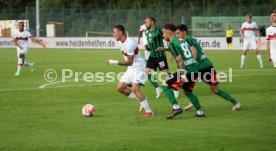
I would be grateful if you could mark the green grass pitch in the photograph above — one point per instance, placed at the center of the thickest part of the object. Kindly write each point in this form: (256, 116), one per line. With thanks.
(49, 118)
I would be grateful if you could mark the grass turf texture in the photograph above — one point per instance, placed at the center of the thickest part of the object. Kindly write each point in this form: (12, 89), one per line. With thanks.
(50, 118)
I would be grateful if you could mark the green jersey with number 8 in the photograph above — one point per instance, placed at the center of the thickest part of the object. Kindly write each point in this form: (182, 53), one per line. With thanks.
(183, 48)
(202, 59)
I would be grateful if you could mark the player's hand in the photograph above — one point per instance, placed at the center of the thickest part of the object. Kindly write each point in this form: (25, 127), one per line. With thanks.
(43, 43)
(160, 49)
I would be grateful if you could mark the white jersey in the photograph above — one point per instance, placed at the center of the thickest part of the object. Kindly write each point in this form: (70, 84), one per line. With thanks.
(249, 30)
(130, 48)
(271, 36)
(22, 37)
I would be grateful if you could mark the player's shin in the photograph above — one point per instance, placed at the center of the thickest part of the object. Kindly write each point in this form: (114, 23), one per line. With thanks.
(20, 63)
(259, 57)
(226, 96)
(193, 99)
(242, 59)
(152, 80)
(145, 105)
(26, 63)
(170, 95)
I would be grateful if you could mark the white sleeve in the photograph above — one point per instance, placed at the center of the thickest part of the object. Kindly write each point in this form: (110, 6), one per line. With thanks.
(242, 26)
(29, 34)
(14, 35)
(266, 33)
(256, 26)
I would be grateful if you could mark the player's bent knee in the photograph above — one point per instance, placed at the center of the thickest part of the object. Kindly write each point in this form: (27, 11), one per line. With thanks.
(148, 71)
(135, 89)
(215, 91)
(120, 89)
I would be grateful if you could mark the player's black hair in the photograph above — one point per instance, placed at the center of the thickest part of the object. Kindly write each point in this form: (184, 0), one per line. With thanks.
(21, 22)
(120, 28)
(151, 18)
(170, 27)
(182, 27)
(249, 15)
(273, 11)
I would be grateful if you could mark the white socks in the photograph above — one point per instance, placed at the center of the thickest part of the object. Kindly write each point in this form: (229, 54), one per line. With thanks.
(145, 105)
(176, 106)
(260, 59)
(27, 63)
(274, 62)
(242, 59)
(20, 62)
(132, 96)
(19, 67)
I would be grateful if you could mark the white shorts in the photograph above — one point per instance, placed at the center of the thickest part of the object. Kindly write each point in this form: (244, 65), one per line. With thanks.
(145, 41)
(24, 50)
(134, 76)
(273, 54)
(249, 44)
(147, 54)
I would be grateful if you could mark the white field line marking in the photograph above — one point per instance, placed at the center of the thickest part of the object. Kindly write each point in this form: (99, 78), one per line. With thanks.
(249, 70)
(57, 82)
(60, 86)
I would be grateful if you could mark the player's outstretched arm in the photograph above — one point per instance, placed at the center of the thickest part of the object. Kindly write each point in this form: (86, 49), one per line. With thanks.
(139, 37)
(127, 62)
(38, 41)
(241, 33)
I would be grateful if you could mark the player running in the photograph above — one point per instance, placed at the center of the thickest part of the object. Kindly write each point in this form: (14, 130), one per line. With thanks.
(247, 32)
(271, 39)
(20, 39)
(142, 34)
(206, 69)
(134, 75)
(186, 75)
(156, 58)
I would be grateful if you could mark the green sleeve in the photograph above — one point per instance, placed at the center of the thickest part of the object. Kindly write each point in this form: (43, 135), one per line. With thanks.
(173, 49)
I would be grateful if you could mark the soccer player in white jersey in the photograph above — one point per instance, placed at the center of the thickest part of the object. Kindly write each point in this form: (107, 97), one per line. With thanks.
(247, 32)
(20, 39)
(134, 75)
(142, 34)
(271, 39)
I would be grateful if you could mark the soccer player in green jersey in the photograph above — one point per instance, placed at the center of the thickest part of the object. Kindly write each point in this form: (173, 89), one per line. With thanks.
(157, 58)
(186, 75)
(207, 72)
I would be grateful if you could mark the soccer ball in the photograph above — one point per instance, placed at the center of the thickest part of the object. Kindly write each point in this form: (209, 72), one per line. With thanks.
(88, 110)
